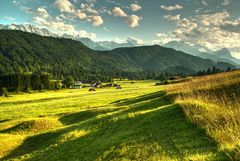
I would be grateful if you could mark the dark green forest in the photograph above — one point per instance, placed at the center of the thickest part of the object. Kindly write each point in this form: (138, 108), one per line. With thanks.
(22, 53)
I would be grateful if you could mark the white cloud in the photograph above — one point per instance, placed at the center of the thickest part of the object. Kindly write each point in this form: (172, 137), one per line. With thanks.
(172, 18)
(22, 7)
(135, 7)
(95, 20)
(215, 31)
(133, 21)
(61, 28)
(163, 38)
(58, 26)
(130, 39)
(117, 11)
(85, 34)
(68, 7)
(235, 53)
(171, 8)
(10, 18)
(225, 2)
(65, 6)
(42, 12)
(204, 2)
(81, 15)
(213, 19)
(232, 26)
(135, 41)
(88, 9)
(118, 40)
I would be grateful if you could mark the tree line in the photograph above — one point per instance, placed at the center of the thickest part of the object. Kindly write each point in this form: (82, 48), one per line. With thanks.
(211, 71)
(26, 81)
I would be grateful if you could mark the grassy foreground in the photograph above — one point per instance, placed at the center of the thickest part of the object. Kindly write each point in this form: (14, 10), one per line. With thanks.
(213, 103)
(138, 122)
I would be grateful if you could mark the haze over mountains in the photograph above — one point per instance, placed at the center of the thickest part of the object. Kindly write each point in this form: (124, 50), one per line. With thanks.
(222, 55)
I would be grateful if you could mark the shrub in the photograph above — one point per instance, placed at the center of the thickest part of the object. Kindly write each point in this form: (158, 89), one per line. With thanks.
(4, 92)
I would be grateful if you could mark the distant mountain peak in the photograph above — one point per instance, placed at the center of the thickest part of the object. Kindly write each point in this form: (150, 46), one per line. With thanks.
(223, 53)
(225, 50)
(104, 45)
(29, 28)
(192, 49)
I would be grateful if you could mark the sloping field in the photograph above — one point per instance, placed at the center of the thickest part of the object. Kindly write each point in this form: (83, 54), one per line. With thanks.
(138, 122)
(213, 104)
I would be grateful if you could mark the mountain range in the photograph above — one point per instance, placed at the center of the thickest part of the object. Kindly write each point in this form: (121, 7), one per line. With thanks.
(222, 55)
(29, 28)
(102, 45)
(22, 51)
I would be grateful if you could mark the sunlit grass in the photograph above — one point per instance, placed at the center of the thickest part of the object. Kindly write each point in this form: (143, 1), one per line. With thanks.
(138, 122)
(213, 103)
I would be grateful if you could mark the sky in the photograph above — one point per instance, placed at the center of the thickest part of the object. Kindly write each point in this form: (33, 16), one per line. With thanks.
(214, 24)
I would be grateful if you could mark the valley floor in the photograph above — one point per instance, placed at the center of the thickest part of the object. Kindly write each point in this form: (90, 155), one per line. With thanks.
(138, 122)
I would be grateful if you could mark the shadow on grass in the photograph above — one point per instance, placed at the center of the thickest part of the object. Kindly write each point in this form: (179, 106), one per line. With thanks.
(44, 99)
(139, 99)
(159, 132)
(2, 121)
(12, 129)
(78, 117)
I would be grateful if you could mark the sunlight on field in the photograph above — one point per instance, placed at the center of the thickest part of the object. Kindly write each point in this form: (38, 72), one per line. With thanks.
(138, 122)
(57, 102)
(212, 102)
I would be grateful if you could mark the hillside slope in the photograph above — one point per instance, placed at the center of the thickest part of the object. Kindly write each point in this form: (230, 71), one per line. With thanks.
(21, 51)
(212, 102)
(32, 52)
(161, 58)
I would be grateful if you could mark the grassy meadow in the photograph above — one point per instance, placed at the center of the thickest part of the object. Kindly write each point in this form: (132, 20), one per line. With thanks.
(213, 103)
(195, 119)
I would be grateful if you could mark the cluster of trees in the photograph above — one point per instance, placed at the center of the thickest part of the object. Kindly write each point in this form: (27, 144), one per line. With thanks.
(27, 82)
(210, 71)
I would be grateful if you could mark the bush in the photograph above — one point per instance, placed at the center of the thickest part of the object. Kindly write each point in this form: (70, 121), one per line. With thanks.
(4, 92)
(68, 82)
(92, 90)
(28, 90)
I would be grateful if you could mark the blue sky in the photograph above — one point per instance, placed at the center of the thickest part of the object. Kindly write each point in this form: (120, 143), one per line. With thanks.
(211, 23)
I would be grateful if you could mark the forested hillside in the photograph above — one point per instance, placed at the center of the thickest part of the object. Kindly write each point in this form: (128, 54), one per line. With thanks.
(26, 52)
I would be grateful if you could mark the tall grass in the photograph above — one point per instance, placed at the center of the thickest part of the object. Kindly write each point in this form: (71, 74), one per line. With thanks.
(213, 103)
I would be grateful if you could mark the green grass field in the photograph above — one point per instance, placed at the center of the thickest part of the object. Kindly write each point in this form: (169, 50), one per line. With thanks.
(138, 122)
